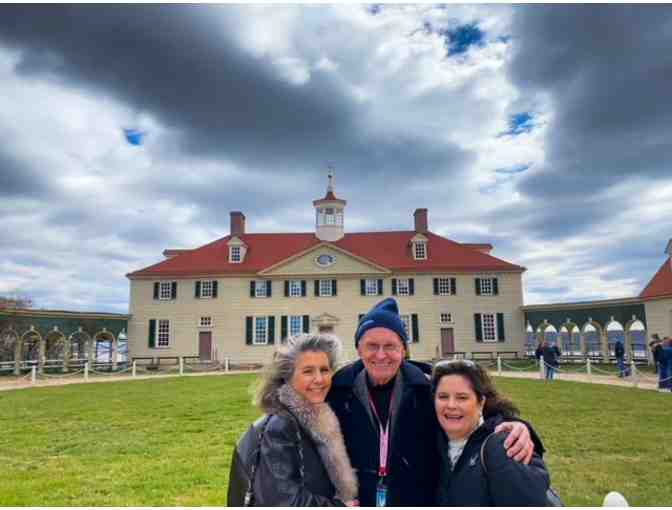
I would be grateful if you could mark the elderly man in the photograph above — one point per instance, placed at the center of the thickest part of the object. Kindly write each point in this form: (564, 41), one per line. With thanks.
(385, 409)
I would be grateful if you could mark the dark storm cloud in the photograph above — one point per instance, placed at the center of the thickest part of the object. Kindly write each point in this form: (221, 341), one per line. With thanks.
(18, 179)
(608, 71)
(180, 64)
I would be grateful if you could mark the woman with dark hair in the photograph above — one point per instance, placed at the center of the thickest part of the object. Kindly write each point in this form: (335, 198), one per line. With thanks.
(475, 470)
(295, 454)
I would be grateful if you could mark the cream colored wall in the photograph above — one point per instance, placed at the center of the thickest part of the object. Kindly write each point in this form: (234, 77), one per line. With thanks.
(233, 304)
(659, 317)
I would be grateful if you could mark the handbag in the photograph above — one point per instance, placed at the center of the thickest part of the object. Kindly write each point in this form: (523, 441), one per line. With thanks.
(552, 496)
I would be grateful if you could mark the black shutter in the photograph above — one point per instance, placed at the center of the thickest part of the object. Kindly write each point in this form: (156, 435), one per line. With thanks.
(197, 290)
(271, 329)
(152, 333)
(283, 328)
(453, 286)
(394, 286)
(500, 327)
(286, 288)
(495, 287)
(317, 287)
(156, 290)
(214, 288)
(248, 330)
(362, 287)
(436, 286)
(411, 287)
(253, 287)
(306, 323)
(269, 288)
(477, 325)
(380, 287)
(303, 288)
(360, 317)
(477, 282)
(415, 327)
(173, 290)
(333, 288)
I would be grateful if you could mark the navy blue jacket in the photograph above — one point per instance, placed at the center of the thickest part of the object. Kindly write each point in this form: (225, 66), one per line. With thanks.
(413, 456)
(507, 482)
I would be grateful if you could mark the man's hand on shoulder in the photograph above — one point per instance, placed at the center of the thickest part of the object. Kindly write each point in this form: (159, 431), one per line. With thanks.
(518, 444)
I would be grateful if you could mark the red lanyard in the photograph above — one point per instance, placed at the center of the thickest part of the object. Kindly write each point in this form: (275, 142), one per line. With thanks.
(384, 435)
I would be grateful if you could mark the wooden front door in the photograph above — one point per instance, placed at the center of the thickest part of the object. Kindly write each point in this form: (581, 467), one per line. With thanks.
(205, 345)
(447, 341)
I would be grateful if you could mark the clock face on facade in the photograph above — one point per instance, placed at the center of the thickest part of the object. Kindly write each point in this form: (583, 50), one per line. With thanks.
(325, 260)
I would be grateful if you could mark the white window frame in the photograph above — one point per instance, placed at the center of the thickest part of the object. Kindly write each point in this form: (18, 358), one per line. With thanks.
(206, 322)
(163, 294)
(260, 289)
(206, 288)
(371, 287)
(489, 327)
(162, 338)
(295, 288)
(420, 250)
(446, 318)
(407, 321)
(403, 287)
(487, 289)
(444, 286)
(292, 322)
(235, 254)
(258, 329)
(325, 288)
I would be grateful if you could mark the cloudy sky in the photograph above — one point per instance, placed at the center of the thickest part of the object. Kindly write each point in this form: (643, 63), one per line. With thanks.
(544, 130)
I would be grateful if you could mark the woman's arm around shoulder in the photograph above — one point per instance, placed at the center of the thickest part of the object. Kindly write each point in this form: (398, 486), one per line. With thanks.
(512, 483)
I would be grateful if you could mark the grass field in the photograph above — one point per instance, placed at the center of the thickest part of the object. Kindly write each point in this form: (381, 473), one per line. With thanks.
(168, 442)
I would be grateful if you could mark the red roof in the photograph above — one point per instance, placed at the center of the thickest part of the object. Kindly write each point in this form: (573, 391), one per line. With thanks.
(661, 284)
(388, 249)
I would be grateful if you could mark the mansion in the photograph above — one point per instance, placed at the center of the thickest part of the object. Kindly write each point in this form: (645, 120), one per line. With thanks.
(238, 296)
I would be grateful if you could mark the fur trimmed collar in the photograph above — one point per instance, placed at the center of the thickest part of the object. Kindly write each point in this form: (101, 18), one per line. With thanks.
(320, 422)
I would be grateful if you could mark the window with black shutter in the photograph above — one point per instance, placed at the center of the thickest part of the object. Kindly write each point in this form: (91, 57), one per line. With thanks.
(286, 288)
(173, 291)
(248, 330)
(269, 288)
(380, 287)
(500, 328)
(478, 327)
(436, 286)
(394, 286)
(411, 287)
(283, 329)
(156, 290)
(197, 290)
(306, 323)
(214, 288)
(151, 341)
(453, 286)
(333, 287)
(303, 288)
(362, 287)
(317, 288)
(253, 288)
(271, 329)
(495, 287)
(415, 327)
(477, 282)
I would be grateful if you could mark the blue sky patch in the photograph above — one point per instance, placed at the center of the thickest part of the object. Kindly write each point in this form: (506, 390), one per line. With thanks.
(374, 8)
(460, 39)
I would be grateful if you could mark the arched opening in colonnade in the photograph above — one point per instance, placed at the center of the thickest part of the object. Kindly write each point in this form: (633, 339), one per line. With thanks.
(30, 347)
(54, 350)
(591, 333)
(615, 333)
(103, 342)
(80, 345)
(9, 341)
(635, 334)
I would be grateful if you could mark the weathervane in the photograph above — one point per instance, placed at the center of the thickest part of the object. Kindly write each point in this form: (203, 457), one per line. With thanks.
(331, 176)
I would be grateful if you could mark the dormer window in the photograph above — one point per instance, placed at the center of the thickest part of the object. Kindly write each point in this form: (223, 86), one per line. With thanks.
(234, 255)
(420, 250)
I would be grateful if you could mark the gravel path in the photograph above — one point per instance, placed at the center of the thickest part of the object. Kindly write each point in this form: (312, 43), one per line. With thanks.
(647, 382)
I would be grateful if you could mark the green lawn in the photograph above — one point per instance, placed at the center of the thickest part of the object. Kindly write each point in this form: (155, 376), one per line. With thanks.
(168, 442)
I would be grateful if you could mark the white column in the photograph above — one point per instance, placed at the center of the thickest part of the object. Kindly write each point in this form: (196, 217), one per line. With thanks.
(227, 365)
(181, 365)
(588, 370)
(86, 371)
(33, 374)
(499, 365)
(134, 365)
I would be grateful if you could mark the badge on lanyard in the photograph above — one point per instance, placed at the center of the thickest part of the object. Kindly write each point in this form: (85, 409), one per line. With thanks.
(381, 494)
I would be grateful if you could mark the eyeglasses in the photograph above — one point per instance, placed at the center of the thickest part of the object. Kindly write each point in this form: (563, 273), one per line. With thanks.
(386, 348)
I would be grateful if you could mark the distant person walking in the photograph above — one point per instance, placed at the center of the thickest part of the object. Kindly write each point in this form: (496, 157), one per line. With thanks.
(619, 350)
(665, 372)
(656, 351)
(551, 357)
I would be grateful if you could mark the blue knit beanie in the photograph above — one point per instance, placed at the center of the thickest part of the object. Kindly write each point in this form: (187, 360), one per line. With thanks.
(384, 315)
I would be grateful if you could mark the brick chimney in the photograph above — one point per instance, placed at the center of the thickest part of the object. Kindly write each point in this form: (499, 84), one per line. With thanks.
(420, 216)
(237, 223)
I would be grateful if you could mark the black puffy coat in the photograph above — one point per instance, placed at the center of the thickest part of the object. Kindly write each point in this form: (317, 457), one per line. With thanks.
(278, 480)
(413, 457)
(507, 482)
(551, 354)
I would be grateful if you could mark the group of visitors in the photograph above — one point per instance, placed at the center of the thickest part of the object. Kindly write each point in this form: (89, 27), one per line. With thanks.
(662, 357)
(384, 430)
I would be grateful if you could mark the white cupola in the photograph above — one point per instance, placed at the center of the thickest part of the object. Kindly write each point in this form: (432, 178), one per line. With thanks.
(329, 214)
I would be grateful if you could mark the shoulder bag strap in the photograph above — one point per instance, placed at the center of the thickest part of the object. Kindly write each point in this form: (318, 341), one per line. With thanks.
(249, 494)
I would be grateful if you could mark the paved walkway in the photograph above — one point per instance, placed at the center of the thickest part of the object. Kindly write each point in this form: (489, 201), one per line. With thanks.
(647, 382)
